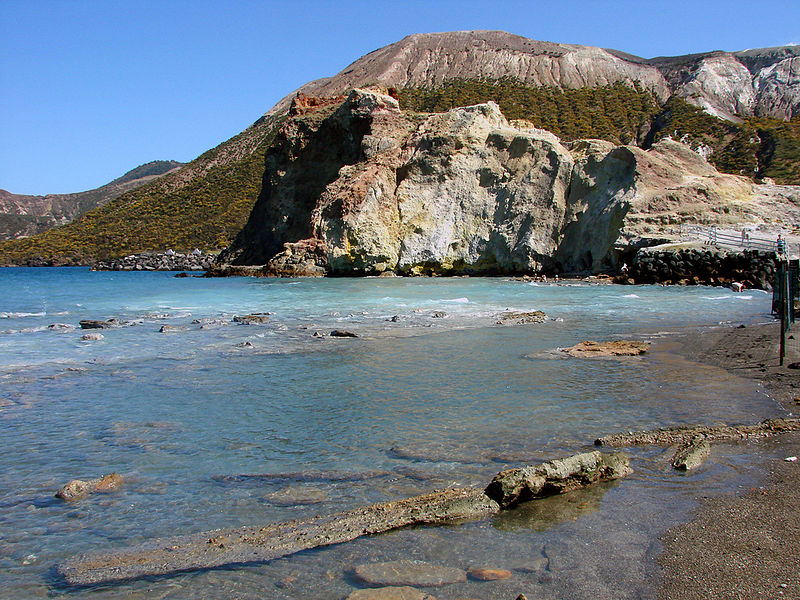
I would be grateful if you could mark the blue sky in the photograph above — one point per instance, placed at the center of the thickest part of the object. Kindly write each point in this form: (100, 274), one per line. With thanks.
(93, 89)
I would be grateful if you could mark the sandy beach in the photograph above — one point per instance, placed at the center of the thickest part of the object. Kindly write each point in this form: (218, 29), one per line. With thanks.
(744, 546)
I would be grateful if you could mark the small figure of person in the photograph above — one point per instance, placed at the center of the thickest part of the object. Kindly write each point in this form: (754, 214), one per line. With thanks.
(780, 245)
(624, 268)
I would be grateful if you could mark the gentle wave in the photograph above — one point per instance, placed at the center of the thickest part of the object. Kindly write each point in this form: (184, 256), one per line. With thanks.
(21, 315)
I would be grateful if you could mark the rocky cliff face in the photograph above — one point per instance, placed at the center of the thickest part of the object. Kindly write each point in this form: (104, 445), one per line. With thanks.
(366, 188)
(763, 82)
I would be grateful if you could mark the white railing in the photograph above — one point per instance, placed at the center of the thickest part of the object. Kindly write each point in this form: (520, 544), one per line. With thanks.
(744, 239)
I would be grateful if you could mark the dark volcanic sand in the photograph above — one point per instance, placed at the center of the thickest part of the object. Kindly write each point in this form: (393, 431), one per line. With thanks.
(749, 546)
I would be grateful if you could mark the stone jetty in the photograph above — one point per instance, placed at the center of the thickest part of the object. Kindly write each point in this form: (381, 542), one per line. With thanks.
(196, 260)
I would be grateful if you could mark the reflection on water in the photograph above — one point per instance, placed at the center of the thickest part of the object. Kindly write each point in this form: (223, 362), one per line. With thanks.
(209, 434)
(542, 514)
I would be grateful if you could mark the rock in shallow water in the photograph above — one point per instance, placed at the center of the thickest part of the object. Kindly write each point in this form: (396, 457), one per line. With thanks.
(390, 593)
(612, 348)
(77, 488)
(342, 334)
(92, 324)
(408, 573)
(295, 495)
(482, 574)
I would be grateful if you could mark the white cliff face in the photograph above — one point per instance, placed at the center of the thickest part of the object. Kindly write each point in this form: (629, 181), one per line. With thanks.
(480, 194)
(468, 192)
(778, 89)
(722, 86)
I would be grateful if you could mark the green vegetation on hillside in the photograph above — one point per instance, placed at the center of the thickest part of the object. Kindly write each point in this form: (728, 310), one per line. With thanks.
(614, 112)
(756, 147)
(207, 211)
(153, 168)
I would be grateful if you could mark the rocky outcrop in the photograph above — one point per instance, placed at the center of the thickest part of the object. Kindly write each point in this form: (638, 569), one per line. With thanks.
(364, 188)
(778, 89)
(722, 86)
(764, 82)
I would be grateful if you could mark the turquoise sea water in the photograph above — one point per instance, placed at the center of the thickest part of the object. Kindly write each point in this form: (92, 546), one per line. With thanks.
(413, 404)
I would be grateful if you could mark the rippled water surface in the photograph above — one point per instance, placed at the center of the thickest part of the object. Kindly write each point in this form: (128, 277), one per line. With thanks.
(420, 400)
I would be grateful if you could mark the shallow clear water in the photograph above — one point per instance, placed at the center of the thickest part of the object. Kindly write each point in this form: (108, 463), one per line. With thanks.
(409, 406)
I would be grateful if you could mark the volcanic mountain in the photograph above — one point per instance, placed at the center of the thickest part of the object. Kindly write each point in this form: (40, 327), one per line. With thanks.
(739, 110)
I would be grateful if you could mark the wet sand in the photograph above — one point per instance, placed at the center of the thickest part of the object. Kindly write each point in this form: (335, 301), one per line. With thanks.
(744, 546)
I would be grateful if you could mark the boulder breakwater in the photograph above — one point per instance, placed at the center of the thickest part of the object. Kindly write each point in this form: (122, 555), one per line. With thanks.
(197, 260)
(752, 268)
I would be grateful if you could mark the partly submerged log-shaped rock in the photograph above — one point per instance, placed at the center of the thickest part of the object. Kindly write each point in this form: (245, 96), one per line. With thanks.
(556, 477)
(250, 544)
(668, 436)
(694, 442)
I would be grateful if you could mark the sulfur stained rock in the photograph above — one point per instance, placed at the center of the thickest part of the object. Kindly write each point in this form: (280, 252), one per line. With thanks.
(607, 349)
(363, 188)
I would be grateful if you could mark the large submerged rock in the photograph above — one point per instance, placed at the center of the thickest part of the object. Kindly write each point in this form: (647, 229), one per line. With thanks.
(362, 187)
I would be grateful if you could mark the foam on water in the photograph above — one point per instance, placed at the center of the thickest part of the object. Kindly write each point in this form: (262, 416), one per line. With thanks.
(426, 400)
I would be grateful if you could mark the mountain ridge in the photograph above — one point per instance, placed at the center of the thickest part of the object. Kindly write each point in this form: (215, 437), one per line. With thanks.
(22, 215)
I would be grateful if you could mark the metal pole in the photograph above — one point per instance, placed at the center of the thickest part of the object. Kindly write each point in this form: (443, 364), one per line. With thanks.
(783, 331)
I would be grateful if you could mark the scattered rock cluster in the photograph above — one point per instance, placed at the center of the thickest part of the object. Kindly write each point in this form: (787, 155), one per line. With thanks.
(196, 260)
(753, 268)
